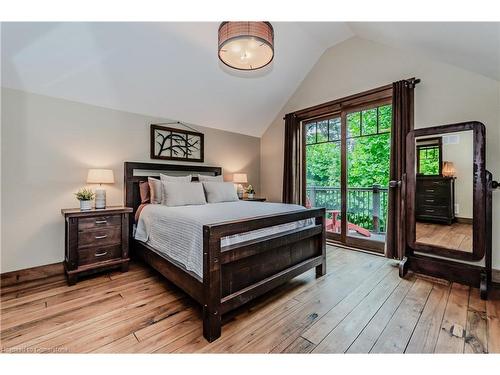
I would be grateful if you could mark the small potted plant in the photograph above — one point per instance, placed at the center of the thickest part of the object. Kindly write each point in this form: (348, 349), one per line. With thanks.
(85, 197)
(250, 192)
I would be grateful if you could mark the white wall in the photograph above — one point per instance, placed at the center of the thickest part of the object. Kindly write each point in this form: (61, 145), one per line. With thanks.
(462, 156)
(47, 146)
(447, 94)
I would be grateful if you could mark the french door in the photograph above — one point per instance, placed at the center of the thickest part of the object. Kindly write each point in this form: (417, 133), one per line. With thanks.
(345, 169)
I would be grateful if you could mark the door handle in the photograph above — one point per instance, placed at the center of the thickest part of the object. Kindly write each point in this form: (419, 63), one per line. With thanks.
(394, 184)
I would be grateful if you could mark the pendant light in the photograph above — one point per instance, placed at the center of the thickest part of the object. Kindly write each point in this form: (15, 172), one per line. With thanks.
(246, 45)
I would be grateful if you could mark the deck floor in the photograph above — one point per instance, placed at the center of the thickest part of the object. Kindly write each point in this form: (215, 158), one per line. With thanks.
(360, 306)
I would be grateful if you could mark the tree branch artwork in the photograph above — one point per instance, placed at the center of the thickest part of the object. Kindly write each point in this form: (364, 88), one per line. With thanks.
(176, 144)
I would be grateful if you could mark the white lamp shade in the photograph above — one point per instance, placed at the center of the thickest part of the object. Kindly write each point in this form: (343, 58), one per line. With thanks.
(100, 176)
(240, 178)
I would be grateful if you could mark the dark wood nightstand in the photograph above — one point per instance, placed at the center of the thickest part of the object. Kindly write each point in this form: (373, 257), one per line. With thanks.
(254, 199)
(95, 240)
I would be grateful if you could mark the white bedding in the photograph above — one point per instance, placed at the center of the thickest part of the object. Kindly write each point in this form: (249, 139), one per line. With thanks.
(178, 231)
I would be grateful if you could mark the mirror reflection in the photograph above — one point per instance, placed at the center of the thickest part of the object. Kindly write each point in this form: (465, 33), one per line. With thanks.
(444, 190)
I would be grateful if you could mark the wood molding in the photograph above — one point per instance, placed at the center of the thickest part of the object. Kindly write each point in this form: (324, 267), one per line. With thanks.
(464, 220)
(32, 274)
(495, 276)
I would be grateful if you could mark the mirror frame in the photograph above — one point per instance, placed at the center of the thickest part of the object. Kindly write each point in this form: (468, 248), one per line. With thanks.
(479, 191)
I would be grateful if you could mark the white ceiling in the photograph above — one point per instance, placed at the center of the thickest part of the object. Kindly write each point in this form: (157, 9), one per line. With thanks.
(171, 70)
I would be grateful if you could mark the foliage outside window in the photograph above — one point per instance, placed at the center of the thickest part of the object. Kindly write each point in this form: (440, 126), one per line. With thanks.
(429, 157)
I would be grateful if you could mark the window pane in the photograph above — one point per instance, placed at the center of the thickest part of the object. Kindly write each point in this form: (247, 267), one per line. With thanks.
(322, 131)
(335, 129)
(369, 123)
(353, 124)
(311, 133)
(428, 160)
(384, 118)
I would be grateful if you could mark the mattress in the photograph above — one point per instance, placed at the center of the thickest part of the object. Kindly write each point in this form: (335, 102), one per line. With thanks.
(177, 232)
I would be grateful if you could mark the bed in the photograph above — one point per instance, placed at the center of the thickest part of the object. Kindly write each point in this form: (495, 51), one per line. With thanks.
(223, 254)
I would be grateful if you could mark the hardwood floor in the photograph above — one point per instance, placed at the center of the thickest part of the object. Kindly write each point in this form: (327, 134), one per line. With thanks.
(360, 306)
(454, 236)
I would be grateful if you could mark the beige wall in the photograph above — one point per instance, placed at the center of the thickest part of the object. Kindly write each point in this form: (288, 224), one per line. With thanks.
(462, 156)
(446, 95)
(47, 146)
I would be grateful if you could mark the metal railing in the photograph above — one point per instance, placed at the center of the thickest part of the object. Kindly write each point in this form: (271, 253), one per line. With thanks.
(366, 206)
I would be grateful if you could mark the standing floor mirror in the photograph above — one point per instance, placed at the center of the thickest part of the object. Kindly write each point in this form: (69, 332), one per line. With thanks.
(448, 204)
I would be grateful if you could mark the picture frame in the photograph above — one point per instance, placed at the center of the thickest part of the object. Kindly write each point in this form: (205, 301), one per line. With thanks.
(176, 144)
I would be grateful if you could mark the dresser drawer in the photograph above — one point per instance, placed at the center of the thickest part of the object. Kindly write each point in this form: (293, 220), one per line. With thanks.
(100, 237)
(99, 222)
(96, 254)
(430, 200)
(441, 190)
(442, 211)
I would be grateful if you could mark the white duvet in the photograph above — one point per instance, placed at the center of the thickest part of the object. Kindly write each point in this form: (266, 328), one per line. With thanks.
(178, 231)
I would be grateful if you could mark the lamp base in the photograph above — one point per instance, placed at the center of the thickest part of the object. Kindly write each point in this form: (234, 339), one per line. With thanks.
(100, 199)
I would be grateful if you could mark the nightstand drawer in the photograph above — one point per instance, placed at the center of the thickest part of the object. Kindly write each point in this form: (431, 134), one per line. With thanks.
(100, 237)
(92, 255)
(99, 222)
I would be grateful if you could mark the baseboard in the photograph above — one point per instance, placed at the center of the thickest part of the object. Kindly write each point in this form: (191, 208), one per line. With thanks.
(32, 274)
(464, 220)
(495, 276)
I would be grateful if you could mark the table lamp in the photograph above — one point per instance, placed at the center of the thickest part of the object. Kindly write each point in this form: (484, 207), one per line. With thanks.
(100, 176)
(448, 169)
(240, 178)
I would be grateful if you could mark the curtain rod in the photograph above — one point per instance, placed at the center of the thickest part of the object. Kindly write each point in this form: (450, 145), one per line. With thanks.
(412, 83)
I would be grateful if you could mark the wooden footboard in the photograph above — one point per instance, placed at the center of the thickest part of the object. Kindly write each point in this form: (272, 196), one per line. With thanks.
(238, 273)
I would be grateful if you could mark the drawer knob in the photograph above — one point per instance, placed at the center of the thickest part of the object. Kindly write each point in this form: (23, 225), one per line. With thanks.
(429, 210)
(101, 237)
(100, 254)
(101, 221)
(429, 200)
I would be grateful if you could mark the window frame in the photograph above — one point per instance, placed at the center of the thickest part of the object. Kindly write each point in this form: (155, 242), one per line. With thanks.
(438, 145)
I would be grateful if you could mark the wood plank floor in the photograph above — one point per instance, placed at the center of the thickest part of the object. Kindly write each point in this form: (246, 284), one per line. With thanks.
(454, 236)
(360, 306)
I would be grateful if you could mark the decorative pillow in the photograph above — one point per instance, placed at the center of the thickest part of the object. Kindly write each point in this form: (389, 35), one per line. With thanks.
(155, 190)
(183, 193)
(166, 177)
(203, 178)
(144, 191)
(220, 192)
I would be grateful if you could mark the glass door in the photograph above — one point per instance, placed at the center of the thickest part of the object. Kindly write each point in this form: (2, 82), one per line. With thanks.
(323, 169)
(347, 163)
(368, 152)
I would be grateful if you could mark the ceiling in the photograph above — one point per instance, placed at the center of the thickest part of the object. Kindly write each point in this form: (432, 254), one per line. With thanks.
(171, 70)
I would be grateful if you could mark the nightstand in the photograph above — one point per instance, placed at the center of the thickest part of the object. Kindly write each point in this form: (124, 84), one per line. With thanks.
(254, 199)
(95, 240)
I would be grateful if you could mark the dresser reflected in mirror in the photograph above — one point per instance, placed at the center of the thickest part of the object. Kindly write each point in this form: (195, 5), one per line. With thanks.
(444, 190)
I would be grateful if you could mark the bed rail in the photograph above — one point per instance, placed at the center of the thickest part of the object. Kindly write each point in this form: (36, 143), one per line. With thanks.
(289, 253)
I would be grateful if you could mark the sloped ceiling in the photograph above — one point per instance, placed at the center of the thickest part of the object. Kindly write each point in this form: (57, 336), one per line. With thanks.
(171, 70)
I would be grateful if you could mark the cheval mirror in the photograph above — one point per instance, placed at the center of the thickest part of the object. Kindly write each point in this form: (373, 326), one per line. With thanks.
(447, 228)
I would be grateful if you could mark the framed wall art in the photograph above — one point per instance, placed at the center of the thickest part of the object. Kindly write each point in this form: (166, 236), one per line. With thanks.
(176, 144)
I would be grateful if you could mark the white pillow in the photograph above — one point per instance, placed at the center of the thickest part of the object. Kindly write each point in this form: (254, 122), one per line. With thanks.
(203, 178)
(167, 178)
(183, 193)
(155, 190)
(220, 192)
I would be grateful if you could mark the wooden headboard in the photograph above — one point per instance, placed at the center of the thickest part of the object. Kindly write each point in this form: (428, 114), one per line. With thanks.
(134, 172)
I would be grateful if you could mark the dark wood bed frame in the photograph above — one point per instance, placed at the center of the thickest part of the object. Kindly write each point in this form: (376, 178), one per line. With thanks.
(235, 274)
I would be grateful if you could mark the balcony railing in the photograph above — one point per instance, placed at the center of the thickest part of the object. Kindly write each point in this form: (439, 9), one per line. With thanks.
(366, 206)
